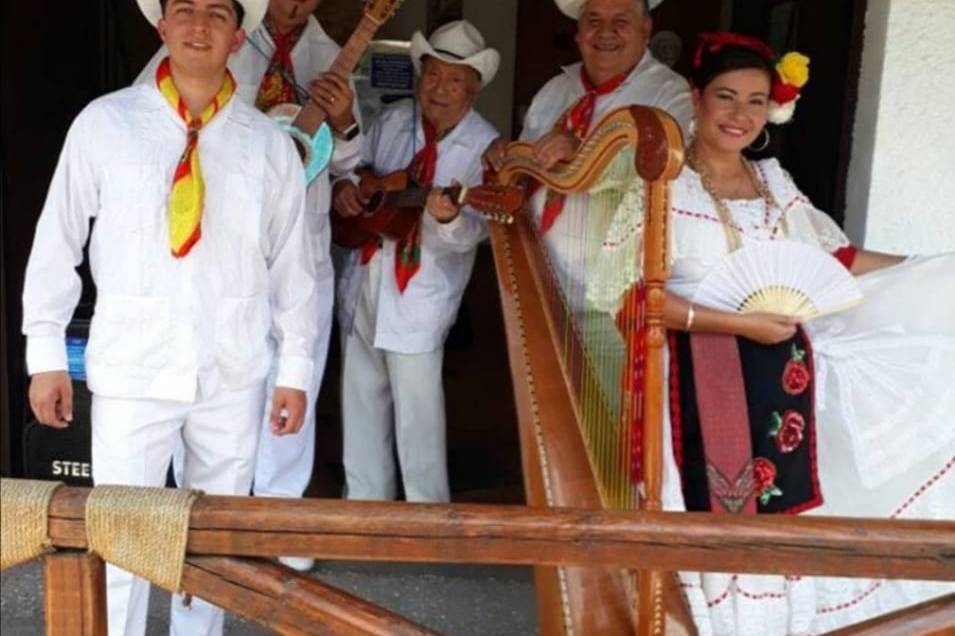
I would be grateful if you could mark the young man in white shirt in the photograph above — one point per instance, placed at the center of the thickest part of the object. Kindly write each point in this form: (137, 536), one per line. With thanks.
(198, 252)
(616, 70)
(288, 52)
(397, 300)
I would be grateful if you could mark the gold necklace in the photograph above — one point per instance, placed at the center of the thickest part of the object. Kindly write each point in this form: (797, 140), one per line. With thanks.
(733, 240)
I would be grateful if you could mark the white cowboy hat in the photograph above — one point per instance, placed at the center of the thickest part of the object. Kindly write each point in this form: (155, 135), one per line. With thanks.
(254, 12)
(572, 8)
(457, 42)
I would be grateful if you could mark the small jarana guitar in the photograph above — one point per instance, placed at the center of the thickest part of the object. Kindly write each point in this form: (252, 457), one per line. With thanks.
(396, 203)
(307, 124)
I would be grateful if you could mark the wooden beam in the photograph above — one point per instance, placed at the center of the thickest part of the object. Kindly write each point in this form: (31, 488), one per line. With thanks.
(931, 618)
(467, 533)
(289, 602)
(75, 594)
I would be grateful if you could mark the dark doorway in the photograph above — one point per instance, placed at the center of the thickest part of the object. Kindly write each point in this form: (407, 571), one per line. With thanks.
(56, 57)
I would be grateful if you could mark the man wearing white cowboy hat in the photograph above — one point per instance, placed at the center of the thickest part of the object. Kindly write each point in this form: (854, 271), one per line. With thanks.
(397, 300)
(616, 70)
(287, 51)
(198, 253)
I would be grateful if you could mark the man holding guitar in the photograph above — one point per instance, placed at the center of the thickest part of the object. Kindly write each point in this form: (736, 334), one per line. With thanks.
(289, 51)
(199, 252)
(399, 298)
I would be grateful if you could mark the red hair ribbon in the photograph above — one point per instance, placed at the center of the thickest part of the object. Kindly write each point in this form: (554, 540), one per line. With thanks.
(713, 42)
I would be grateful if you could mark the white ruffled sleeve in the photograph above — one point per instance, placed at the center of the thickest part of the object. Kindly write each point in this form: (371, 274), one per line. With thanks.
(806, 223)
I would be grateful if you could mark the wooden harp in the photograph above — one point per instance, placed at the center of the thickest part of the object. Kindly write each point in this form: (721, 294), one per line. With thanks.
(578, 391)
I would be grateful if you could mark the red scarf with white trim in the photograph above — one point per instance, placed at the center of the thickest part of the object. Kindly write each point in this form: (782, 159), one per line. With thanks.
(422, 170)
(577, 120)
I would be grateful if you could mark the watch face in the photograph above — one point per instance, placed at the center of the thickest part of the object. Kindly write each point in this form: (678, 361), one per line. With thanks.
(350, 133)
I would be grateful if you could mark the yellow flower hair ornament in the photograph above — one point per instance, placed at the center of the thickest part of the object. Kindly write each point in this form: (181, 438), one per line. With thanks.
(792, 73)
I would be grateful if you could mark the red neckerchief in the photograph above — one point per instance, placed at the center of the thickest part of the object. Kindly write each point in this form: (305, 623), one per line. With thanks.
(278, 83)
(577, 120)
(422, 170)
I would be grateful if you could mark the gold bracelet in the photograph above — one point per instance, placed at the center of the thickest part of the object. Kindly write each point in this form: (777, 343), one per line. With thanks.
(690, 314)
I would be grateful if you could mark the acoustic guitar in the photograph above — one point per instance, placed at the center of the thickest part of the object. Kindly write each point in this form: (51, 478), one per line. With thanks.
(395, 204)
(307, 124)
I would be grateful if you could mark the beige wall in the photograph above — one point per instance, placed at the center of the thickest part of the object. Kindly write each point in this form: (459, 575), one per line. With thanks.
(497, 22)
(901, 186)
(411, 17)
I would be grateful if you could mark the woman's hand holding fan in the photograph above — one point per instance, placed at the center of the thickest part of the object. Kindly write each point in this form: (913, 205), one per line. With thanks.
(779, 277)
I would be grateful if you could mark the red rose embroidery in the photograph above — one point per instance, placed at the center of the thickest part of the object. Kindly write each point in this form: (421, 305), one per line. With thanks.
(764, 473)
(787, 430)
(796, 374)
(764, 476)
(795, 377)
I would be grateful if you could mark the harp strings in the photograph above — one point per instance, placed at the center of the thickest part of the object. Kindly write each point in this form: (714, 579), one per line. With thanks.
(599, 348)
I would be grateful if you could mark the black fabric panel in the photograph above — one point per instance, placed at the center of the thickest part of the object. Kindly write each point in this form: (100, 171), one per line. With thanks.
(763, 368)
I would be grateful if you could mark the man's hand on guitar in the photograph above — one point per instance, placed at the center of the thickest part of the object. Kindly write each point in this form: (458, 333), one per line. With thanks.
(335, 97)
(346, 199)
(555, 147)
(441, 207)
(493, 156)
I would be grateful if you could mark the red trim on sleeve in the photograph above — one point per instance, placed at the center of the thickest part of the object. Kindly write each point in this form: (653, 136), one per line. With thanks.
(846, 255)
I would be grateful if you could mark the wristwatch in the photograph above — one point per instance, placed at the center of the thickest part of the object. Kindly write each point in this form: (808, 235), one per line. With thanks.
(349, 133)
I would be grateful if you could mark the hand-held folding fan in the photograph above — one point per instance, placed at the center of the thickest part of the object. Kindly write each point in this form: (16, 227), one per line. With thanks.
(780, 277)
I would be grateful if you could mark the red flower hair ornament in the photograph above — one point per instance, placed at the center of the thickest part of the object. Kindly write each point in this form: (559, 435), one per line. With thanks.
(790, 72)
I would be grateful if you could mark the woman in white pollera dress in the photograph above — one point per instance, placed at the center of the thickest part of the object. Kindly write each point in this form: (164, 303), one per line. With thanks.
(846, 415)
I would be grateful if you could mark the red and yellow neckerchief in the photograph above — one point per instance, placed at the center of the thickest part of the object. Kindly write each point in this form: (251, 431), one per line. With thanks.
(188, 188)
(278, 83)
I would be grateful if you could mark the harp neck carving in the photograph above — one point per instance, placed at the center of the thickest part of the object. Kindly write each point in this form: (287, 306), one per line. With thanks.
(634, 126)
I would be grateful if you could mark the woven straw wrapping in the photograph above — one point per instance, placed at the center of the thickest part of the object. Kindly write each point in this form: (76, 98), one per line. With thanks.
(24, 508)
(142, 530)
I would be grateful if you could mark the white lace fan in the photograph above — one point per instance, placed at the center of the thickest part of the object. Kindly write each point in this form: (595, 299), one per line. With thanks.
(781, 277)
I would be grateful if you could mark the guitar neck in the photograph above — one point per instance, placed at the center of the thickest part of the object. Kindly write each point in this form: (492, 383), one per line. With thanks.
(417, 197)
(311, 117)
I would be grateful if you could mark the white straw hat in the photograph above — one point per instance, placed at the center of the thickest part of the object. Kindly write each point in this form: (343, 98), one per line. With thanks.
(457, 42)
(254, 12)
(572, 8)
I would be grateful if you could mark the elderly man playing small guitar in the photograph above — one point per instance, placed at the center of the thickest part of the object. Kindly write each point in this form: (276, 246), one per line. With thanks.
(398, 298)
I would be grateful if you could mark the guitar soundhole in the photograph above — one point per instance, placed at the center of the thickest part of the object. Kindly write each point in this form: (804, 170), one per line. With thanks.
(375, 201)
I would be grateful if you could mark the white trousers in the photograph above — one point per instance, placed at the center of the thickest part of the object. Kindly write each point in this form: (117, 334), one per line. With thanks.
(283, 463)
(390, 398)
(133, 441)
